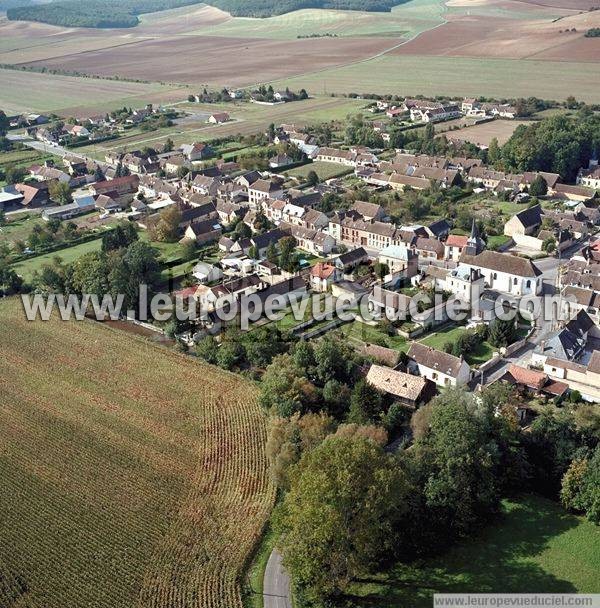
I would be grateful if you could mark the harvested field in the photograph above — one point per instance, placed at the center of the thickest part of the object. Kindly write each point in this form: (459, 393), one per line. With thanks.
(577, 5)
(503, 36)
(26, 91)
(217, 60)
(484, 133)
(146, 488)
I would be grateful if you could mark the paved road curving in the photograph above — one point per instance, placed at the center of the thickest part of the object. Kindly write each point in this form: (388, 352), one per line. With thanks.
(276, 585)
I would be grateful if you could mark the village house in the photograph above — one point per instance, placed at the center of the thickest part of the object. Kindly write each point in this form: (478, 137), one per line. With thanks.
(349, 260)
(454, 247)
(408, 389)
(590, 177)
(323, 275)
(439, 367)
(33, 195)
(263, 189)
(48, 172)
(582, 377)
(107, 204)
(401, 261)
(423, 110)
(524, 223)
(574, 193)
(196, 151)
(223, 295)
(349, 228)
(280, 160)
(391, 305)
(534, 383)
(206, 273)
(429, 249)
(218, 118)
(121, 189)
(260, 242)
(313, 241)
(370, 211)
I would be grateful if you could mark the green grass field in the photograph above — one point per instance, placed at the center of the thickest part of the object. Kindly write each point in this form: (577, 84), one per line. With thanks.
(67, 255)
(457, 76)
(404, 20)
(322, 169)
(129, 475)
(20, 228)
(536, 547)
(481, 354)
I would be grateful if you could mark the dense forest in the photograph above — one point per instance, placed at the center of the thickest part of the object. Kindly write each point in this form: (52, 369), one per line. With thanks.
(266, 8)
(114, 13)
(95, 13)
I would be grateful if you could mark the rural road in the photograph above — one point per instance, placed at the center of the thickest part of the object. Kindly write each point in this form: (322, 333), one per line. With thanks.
(276, 585)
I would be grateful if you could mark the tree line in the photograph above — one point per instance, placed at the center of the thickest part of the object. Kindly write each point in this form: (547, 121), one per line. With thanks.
(94, 14)
(267, 8)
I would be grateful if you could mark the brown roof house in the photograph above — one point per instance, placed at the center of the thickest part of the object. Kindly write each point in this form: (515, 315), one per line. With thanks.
(218, 117)
(34, 195)
(405, 388)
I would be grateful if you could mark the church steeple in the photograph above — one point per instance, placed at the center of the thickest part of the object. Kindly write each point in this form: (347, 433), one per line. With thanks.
(475, 244)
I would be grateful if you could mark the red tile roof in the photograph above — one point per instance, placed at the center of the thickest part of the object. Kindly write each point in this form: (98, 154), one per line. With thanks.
(456, 240)
(322, 270)
(528, 377)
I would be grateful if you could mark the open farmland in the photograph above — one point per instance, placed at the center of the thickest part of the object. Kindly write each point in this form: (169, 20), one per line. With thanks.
(484, 133)
(458, 76)
(130, 475)
(26, 91)
(217, 60)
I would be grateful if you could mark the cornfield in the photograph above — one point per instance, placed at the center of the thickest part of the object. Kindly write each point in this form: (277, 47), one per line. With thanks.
(130, 476)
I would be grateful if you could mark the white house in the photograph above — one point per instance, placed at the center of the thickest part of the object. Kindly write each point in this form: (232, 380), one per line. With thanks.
(439, 367)
(400, 259)
(206, 273)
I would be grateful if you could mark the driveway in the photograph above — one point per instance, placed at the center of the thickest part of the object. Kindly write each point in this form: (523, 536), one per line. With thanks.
(276, 585)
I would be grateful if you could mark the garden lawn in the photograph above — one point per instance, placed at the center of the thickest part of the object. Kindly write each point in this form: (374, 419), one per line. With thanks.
(536, 547)
(450, 333)
(369, 334)
(26, 268)
(20, 228)
(322, 169)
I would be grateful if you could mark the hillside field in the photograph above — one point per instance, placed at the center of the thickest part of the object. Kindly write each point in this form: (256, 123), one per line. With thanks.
(130, 475)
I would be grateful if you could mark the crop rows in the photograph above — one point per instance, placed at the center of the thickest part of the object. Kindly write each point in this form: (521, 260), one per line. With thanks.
(129, 476)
